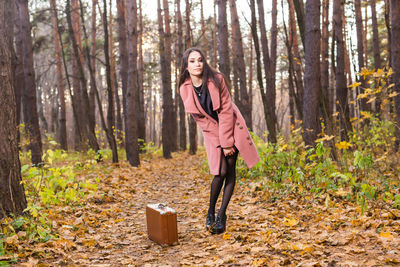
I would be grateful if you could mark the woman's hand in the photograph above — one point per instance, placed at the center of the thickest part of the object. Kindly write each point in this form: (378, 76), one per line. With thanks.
(229, 151)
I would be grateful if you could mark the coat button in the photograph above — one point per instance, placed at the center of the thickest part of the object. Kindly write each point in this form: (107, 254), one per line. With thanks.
(241, 127)
(251, 143)
(248, 137)
(237, 124)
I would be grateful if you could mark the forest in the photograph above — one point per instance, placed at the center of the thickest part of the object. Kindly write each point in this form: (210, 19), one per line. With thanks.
(93, 128)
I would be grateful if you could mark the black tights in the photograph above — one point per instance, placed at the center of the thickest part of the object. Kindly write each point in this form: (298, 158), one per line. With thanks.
(228, 174)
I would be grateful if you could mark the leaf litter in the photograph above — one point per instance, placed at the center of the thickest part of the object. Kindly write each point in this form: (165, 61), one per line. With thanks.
(284, 230)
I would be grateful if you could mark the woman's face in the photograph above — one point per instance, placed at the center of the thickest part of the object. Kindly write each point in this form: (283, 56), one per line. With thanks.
(195, 64)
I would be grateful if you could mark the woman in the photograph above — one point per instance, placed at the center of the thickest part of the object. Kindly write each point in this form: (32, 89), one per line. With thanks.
(206, 97)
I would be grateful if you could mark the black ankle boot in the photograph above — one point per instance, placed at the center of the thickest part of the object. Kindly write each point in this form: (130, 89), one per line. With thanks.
(210, 221)
(220, 225)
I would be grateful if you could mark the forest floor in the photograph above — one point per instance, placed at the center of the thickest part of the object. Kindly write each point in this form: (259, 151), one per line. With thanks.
(264, 228)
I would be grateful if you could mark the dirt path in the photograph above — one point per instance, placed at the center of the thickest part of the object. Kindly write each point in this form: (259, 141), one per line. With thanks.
(263, 229)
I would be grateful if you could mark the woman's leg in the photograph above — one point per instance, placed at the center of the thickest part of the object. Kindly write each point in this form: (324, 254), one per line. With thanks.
(230, 181)
(216, 185)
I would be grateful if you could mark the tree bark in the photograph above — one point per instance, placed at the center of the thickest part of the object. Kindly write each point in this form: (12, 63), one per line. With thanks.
(92, 58)
(60, 84)
(360, 49)
(88, 126)
(299, 7)
(269, 95)
(123, 53)
(81, 129)
(18, 69)
(295, 62)
(165, 60)
(119, 124)
(110, 94)
(238, 61)
(29, 93)
(312, 72)
(365, 24)
(179, 43)
(325, 56)
(188, 36)
(192, 123)
(388, 30)
(142, 116)
(341, 85)
(203, 30)
(132, 97)
(12, 196)
(395, 46)
(274, 37)
(377, 52)
(223, 40)
(257, 50)
(215, 47)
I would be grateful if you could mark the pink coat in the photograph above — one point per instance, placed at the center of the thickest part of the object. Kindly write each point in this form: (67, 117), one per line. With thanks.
(231, 129)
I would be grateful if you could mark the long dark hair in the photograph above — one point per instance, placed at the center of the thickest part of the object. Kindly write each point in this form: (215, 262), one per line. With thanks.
(208, 71)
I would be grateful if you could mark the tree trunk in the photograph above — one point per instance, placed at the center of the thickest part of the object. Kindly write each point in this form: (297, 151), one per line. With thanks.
(29, 92)
(251, 65)
(192, 123)
(365, 40)
(389, 31)
(223, 40)
(360, 50)
(12, 196)
(203, 30)
(132, 97)
(88, 126)
(299, 7)
(257, 50)
(18, 69)
(274, 36)
(182, 115)
(142, 117)
(60, 85)
(123, 53)
(296, 64)
(269, 95)
(395, 46)
(110, 94)
(42, 118)
(188, 36)
(81, 129)
(341, 85)
(92, 58)
(119, 124)
(312, 72)
(377, 52)
(238, 61)
(325, 57)
(215, 47)
(165, 61)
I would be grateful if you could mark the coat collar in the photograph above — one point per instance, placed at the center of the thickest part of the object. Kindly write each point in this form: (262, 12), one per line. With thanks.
(192, 104)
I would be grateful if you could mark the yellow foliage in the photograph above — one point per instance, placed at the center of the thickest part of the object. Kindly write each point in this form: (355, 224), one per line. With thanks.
(325, 138)
(290, 222)
(387, 235)
(343, 145)
(371, 99)
(354, 85)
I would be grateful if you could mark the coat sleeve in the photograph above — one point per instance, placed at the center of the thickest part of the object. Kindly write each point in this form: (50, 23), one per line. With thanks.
(225, 117)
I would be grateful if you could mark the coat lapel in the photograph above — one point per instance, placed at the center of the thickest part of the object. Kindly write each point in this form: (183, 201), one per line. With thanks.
(215, 95)
(191, 102)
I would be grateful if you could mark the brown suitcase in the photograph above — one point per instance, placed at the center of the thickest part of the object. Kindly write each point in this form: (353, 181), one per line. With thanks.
(161, 224)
